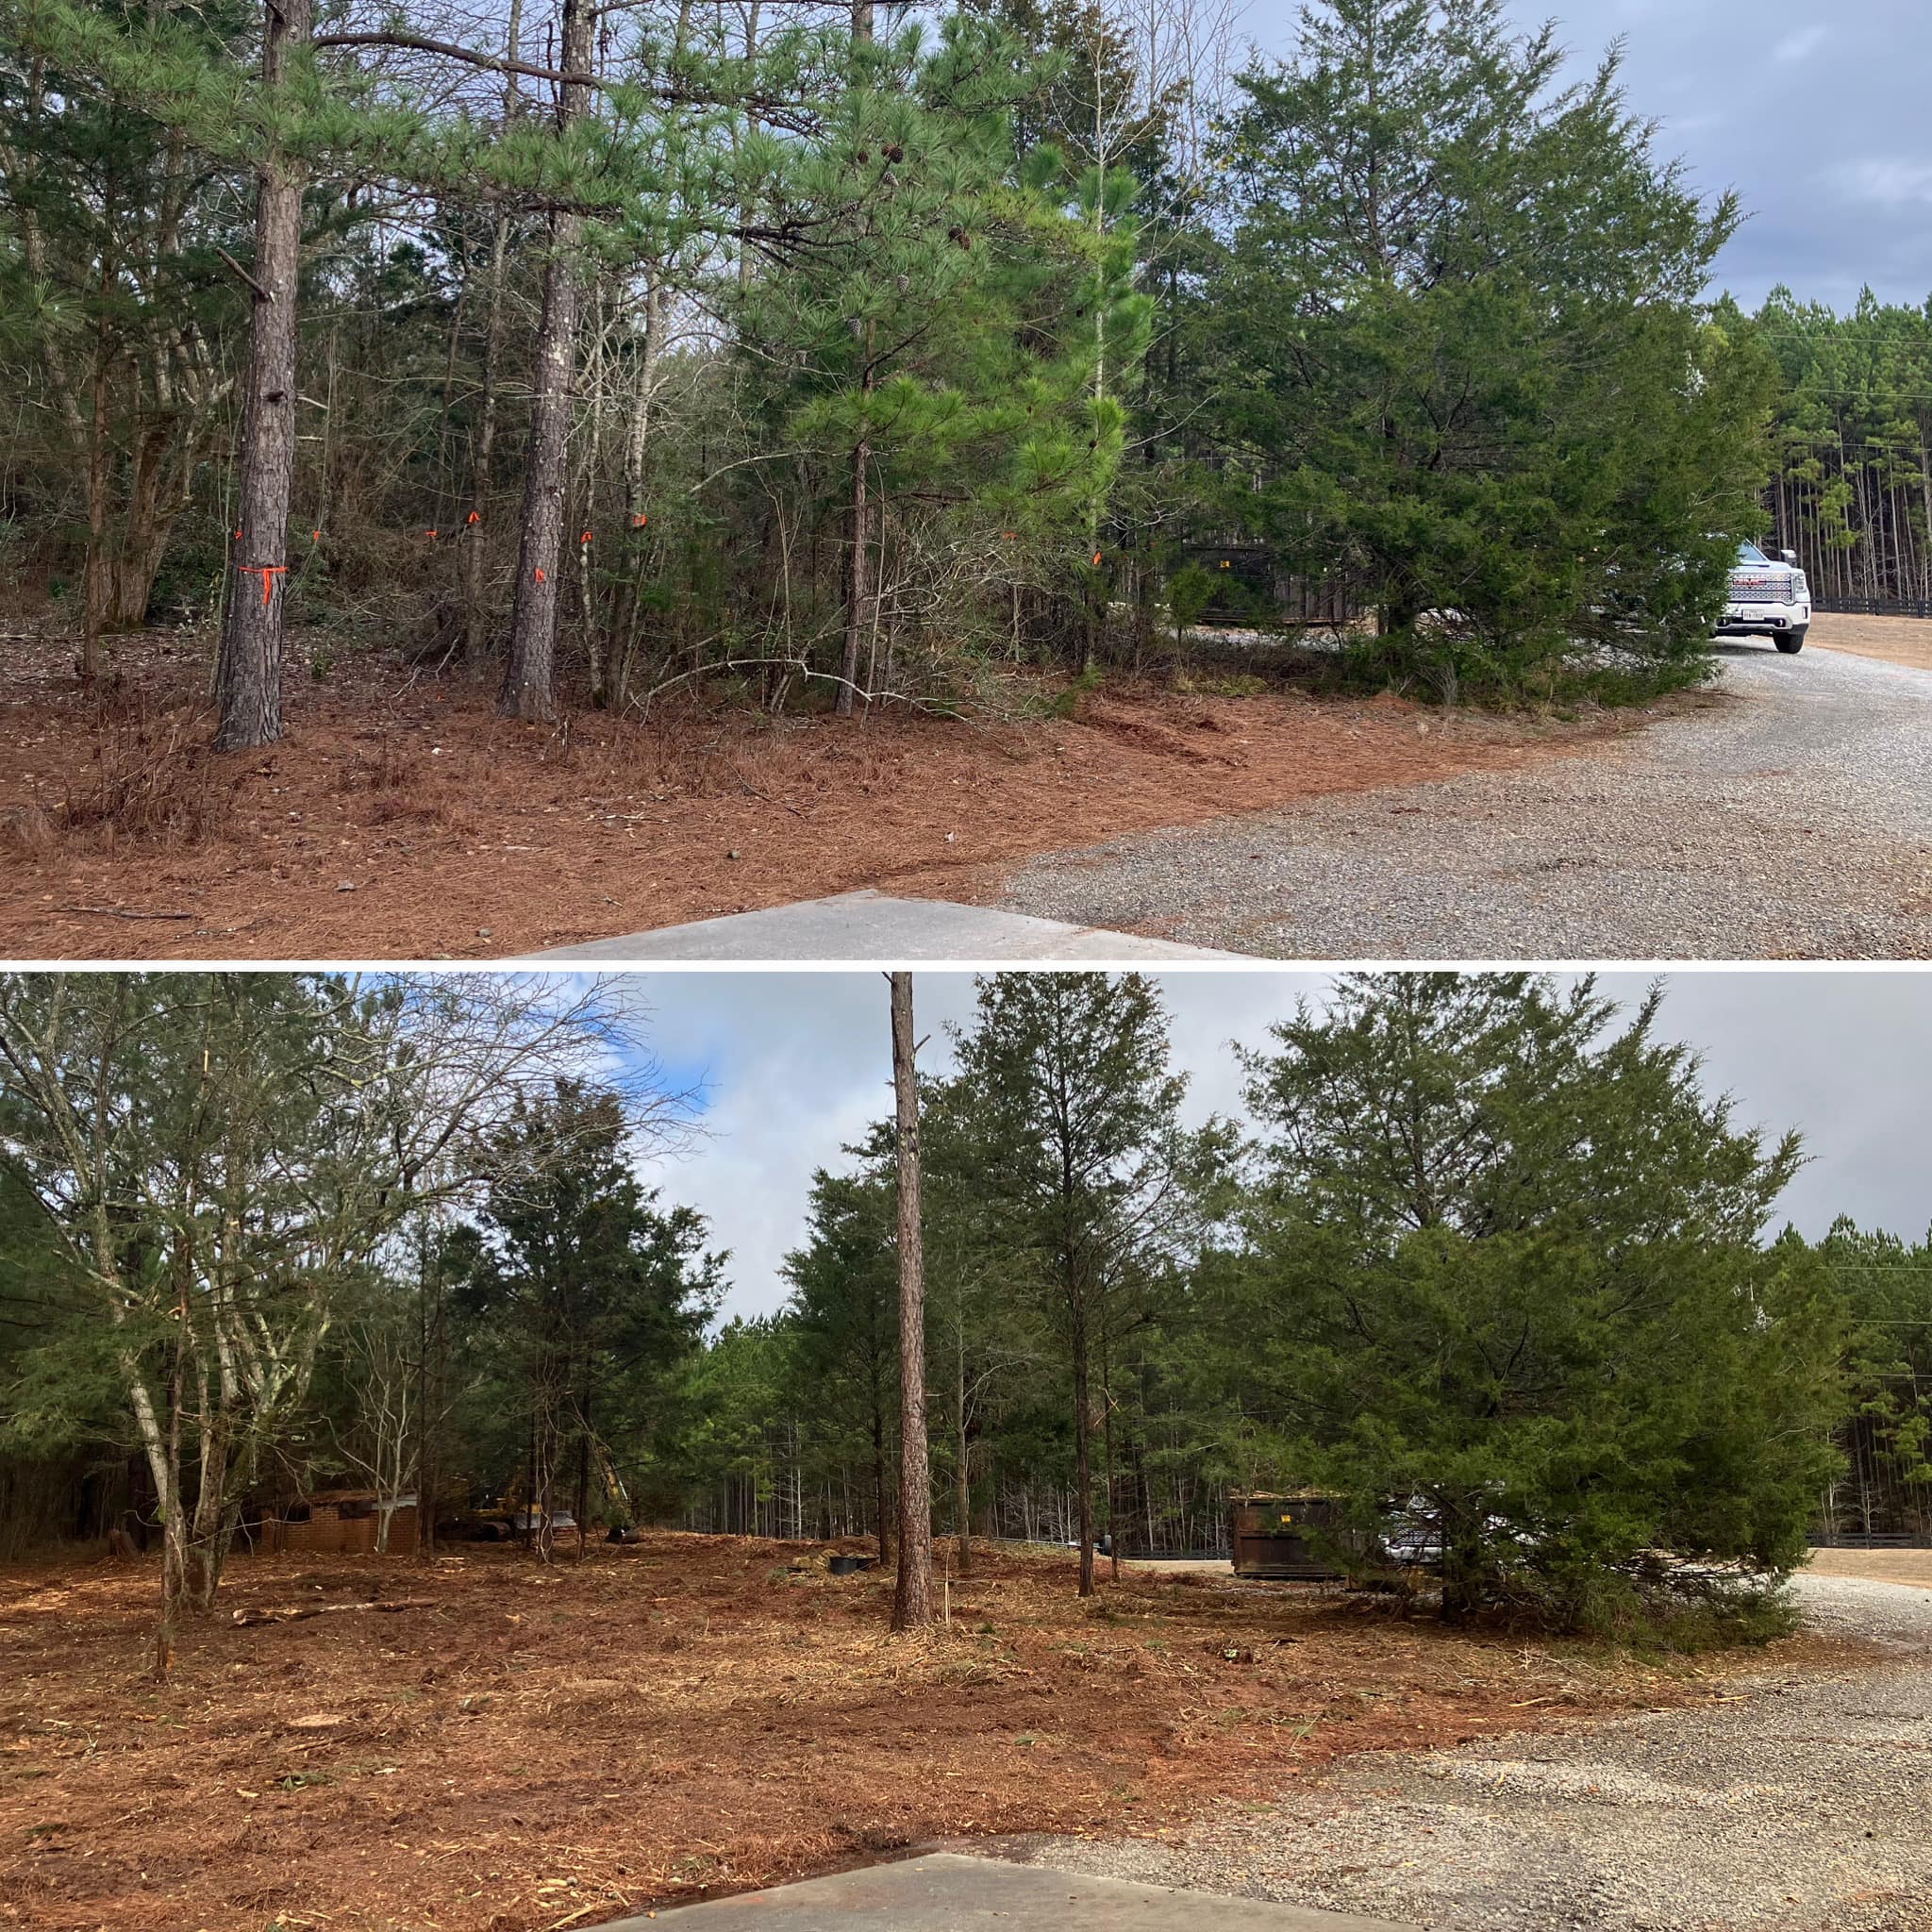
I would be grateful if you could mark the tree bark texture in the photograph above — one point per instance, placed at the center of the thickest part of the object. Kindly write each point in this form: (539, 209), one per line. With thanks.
(858, 581)
(529, 677)
(248, 674)
(912, 1598)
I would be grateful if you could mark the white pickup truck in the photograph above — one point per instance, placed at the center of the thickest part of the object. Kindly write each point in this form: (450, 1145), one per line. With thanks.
(1767, 599)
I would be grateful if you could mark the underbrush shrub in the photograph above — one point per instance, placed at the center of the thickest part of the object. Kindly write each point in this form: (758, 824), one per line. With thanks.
(1646, 1605)
(1645, 1608)
(1650, 1609)
(1462, 667)
(151, 778)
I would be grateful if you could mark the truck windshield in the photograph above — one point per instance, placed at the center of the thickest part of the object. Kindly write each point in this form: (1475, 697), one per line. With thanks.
(1749, 553)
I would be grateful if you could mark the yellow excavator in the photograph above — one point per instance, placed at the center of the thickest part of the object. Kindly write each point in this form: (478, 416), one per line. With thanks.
(512, 1517)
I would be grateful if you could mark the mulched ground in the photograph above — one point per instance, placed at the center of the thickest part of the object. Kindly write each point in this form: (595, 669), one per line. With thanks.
(541, 1748)
(402, 819)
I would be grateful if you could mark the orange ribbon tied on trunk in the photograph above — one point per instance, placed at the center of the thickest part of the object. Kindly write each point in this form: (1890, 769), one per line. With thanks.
(541, 577)
(268, 573)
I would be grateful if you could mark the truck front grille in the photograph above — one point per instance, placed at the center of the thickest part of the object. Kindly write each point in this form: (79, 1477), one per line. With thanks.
(1763, 587)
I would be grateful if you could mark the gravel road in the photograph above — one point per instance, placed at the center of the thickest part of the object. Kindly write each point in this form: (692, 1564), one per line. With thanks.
(1787, 815)
(1805, 1805)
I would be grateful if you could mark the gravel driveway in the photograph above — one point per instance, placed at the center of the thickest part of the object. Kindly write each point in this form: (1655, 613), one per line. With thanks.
(1803, 1806)
(1787, 815)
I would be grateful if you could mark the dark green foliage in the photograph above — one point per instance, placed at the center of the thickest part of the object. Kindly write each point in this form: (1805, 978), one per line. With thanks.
(1504, 1272)
(578, 1300)
(1428, 325)
(1460, 356)
(842, 1325)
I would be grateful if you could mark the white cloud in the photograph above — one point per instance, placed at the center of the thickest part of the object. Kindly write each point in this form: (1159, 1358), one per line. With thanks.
(1802, 44)
(1890, 183)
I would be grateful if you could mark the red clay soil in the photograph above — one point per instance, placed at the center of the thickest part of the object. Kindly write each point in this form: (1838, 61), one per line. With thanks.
(401, 819)
(538, 1748)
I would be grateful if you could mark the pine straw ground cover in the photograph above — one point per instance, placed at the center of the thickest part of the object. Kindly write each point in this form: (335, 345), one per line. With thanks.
(402, 819)
(541, 1748)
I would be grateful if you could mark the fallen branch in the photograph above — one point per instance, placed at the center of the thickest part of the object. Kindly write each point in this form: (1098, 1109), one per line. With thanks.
(294, 1613)
(123, 912)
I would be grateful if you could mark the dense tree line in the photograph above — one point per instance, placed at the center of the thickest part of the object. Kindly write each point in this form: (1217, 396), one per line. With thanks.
(1852, 488)
(816, 356)
(1486, 1256)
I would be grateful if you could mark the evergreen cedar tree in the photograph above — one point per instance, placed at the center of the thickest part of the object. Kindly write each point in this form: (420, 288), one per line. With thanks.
(1532, 1305)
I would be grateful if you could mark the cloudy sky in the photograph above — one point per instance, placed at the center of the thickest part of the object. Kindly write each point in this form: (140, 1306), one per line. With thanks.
(792, 1065)
(1814, 113)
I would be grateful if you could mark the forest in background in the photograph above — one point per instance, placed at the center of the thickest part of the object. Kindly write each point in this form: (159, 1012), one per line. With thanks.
(1852, 480)
(397, 1236)
(809, 354)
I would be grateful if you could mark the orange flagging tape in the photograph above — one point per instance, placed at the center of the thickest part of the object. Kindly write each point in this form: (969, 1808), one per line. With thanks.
(315, 536)
(541, 577)
(1097, 557)
(268, 573)
(639, 521)
(432, 536)
(474, 517)
(585, 537)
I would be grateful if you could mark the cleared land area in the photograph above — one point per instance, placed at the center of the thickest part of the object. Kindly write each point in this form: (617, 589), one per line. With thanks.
(536, 1748)
(402, 819)
(1906, 641)
(1878, 1566)
(1780, 814)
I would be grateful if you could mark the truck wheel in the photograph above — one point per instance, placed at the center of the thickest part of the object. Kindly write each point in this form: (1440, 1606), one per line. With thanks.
(1791, 641)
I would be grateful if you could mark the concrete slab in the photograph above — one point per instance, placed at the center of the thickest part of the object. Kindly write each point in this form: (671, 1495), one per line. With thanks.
(873, 929)
(946, 1892)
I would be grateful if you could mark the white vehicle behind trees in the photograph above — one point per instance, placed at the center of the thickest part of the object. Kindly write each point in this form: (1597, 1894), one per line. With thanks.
(1767, 599)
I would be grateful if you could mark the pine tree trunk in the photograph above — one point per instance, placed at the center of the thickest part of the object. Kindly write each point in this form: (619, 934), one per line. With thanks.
(165, 1460)
(858, 592)
(912, 1598)
(248, 674)
(1083, 1443)
(475, 551)
(1113, 1524)
(528, 680)
(963, 1468)
(529, 677)
(881, 1506)
(98, 586)
(474, 548)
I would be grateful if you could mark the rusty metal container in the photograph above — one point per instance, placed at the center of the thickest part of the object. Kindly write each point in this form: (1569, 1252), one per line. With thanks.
(1270, 1536)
